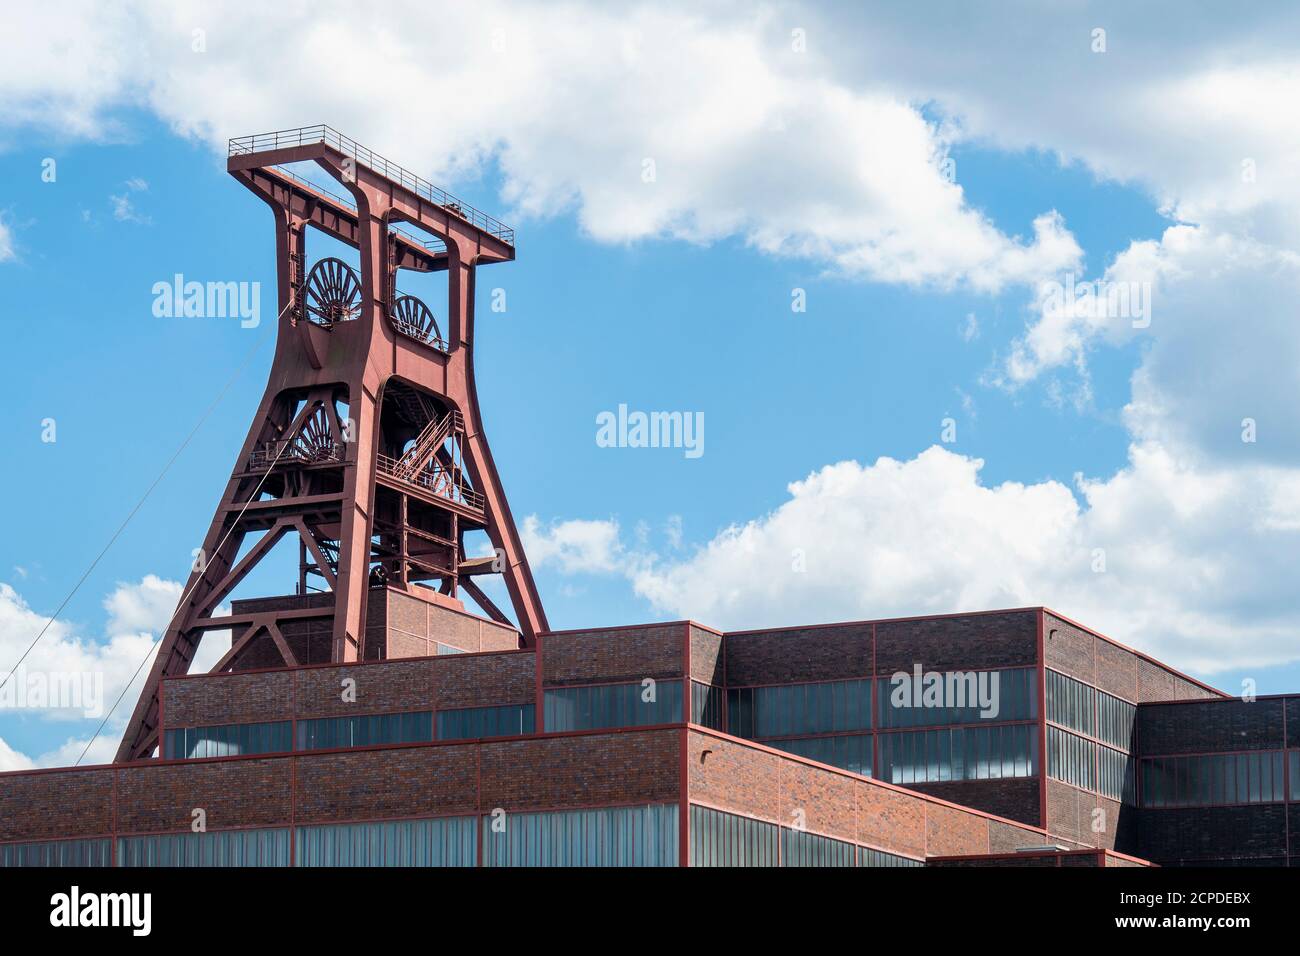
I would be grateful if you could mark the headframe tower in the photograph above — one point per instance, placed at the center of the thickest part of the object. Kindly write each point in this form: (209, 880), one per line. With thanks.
(368, 443)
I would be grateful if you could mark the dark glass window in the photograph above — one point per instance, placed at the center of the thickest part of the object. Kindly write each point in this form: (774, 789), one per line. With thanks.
(619, 836)
(850, 752)
(726, 839)
(1116, 775)
(1008, 694)
(707, 705)
(440, 842)
(228, 740)
(474, 722)
(214, 848)
(613, 705)
(801, 848)
(1071, 703)
(793, 709)
(365, 730)
(959, 753)
(870, 857)
(1116, 720)
(1071, 758)
(1214, 779)
(58, 853)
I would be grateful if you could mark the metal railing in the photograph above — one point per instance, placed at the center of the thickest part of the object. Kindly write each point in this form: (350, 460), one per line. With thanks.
(436, 480)
(303, 136)
(290, 451)
(429, 243)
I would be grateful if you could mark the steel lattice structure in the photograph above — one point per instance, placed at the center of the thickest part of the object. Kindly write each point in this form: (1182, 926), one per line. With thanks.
(368, 442)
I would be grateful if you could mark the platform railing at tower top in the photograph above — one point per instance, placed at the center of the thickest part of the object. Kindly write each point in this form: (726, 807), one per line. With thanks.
(429, 243)
(306, 135)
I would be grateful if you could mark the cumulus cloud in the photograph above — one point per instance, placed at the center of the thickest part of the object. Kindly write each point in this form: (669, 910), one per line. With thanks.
(95, 671)
(574, 546)
(650, 121)
(1192, 565)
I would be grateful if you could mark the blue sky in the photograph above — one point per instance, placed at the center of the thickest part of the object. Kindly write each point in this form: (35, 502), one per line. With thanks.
(679, 314)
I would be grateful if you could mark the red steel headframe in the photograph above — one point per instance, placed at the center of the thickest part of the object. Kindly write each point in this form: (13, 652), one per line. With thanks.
(325, 464)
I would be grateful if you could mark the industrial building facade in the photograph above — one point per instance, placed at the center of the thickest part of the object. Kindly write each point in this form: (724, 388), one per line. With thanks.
(674, 744)
(370, 719)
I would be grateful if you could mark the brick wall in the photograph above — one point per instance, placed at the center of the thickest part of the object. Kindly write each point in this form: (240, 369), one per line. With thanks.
(798, 654)
(752, 781)
(1016, 799)
(445, 682)
(707, 662)
(1080, 654)
(614, 655)
(564, 771)
(1219, 725)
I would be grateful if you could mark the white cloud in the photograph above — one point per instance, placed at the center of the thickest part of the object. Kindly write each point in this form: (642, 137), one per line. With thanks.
(1197, 562)
(99, 668)
(748, 138)
(575, 546)
(6, 242)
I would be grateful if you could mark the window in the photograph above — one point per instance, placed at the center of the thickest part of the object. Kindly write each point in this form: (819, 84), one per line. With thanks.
(726, 839)
(1071, 758)
(613, 705)
(619, 836)
(1116, 775)
(1294, 758)
(58, 853)
(229, 740)
(325, 733)
(870, 857)
(792, 709)
(959, 753)
(1116, 720)
(801, 848)
(473, 722)
(214, 848)
(850, 752)
(444, 842)
(1071, 703)
(1213, 779)
(707, 703)
(964, 697)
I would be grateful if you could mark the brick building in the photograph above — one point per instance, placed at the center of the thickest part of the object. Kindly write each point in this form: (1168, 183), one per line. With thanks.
(675, 744)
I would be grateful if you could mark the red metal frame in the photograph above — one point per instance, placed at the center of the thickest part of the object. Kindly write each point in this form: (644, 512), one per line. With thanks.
(315, 368)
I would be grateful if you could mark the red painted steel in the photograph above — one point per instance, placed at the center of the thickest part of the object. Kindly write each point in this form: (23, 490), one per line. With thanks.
(340, 346)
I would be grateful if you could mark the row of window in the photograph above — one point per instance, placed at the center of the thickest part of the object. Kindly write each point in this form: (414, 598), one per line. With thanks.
(959, 753)
(1090, 766)
(1072, 759)
(850, 752)
(725, 839)
(928, 756)
(929, 700)
(1074, 704)
(58, 853)
(1214, 779)
(641, 704)
(617, 836)
(367, 730)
